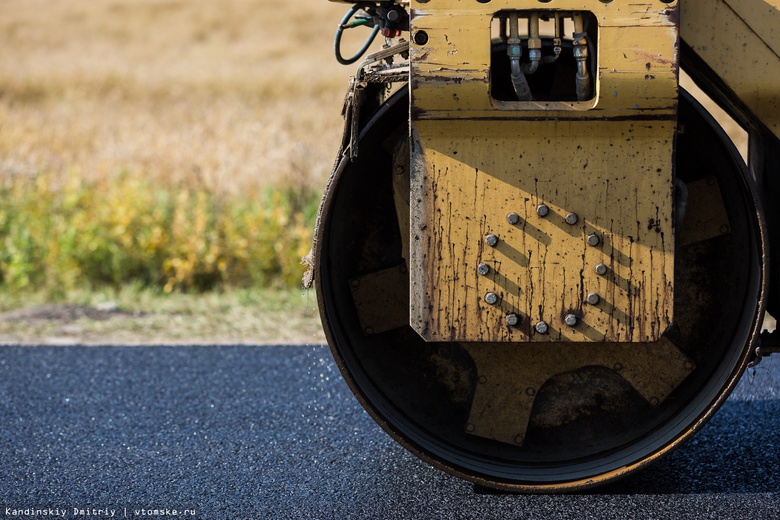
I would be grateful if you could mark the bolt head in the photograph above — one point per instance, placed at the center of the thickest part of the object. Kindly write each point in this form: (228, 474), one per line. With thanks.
(541, 327)
(571, 320)
(542, 210)
(491, 298)
(491, 240)
(512, 319)
(593, 298)
(601, 269)
(572, 219)
(483, 269)
(421, 37)
(513, 218)
(593, 239)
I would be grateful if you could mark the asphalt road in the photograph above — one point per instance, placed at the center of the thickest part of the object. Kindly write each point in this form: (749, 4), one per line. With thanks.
(273, 432)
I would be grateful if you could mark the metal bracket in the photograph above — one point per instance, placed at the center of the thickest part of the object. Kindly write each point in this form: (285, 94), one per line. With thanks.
(768, 344)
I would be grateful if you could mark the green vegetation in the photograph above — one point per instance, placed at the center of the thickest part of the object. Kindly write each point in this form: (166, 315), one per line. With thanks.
(126, 230)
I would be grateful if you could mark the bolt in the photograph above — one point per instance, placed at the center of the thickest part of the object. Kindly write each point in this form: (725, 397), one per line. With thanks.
(618, 367)
(421, 37)
(512, 319)
(491, 298)
(519, 439)
(491, 240)
(571, 320)
(530, 391)
(368, 331)
(513, 218)
(654, 401)
(593, 298)
(601, 269)
(482, 380)
(469, 428)
(542, 210)
(572, 219)
(399, 169)
(593, 239)
(483, 269)
(541, 327)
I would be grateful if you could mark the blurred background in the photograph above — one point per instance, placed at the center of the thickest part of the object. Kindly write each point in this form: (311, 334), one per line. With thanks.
(163, 159)
(161, 164)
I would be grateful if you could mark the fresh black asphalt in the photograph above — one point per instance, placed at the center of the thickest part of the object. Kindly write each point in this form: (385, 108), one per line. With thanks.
(273, 432)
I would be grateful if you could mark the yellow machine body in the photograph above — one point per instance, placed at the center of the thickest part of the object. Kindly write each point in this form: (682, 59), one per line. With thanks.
(605, 164)
(541, 264)
(740, 41)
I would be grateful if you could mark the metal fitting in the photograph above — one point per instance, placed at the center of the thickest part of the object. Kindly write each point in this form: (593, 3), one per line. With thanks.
(601, 269)
(541, 327)
(491, 298)
(491, 240)
(512, 319)
(514, 51)
(593, 298)
(593, 239)
(571, 320)
(572, 218)
(534, 44)
(513, 218)
(483, 269)
(542, 210)
(580, 51)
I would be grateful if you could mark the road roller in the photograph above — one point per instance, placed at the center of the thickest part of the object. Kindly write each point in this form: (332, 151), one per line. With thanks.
(541, 264)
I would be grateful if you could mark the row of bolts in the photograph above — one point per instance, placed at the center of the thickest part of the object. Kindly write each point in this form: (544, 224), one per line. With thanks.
(570, 319)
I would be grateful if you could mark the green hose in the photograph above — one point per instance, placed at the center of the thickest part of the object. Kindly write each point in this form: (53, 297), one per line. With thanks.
(346, 24)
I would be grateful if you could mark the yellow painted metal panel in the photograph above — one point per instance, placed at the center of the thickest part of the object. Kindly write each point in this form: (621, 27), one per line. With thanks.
(615, 176)
(763, 17)
(608, 160)
(742, 59)
(451, 71)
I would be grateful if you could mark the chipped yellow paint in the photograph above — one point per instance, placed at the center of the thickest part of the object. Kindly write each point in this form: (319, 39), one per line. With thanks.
(637, 64)
(740, 41)
(608, 160)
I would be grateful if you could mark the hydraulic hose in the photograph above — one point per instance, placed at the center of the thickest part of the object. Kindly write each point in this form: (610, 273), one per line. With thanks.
(344, 24)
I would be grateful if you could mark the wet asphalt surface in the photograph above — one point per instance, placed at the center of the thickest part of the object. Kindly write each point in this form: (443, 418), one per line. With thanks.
(273, 432)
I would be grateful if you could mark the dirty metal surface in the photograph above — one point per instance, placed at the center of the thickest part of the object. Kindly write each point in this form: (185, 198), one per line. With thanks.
(378, 296)
(636, 69)
(740, 41)
(510, 378)
(705, 213)
(608, 161)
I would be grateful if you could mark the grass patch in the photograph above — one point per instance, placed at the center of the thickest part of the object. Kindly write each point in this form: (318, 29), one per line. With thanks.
(77, 233)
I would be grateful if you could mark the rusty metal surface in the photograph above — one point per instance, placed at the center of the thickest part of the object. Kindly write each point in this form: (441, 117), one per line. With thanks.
(609, 161)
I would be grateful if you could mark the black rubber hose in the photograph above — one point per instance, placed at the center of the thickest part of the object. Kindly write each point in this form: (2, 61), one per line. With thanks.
(340, 31)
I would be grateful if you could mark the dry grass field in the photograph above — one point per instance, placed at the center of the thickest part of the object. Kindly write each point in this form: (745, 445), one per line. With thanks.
(230, 94)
